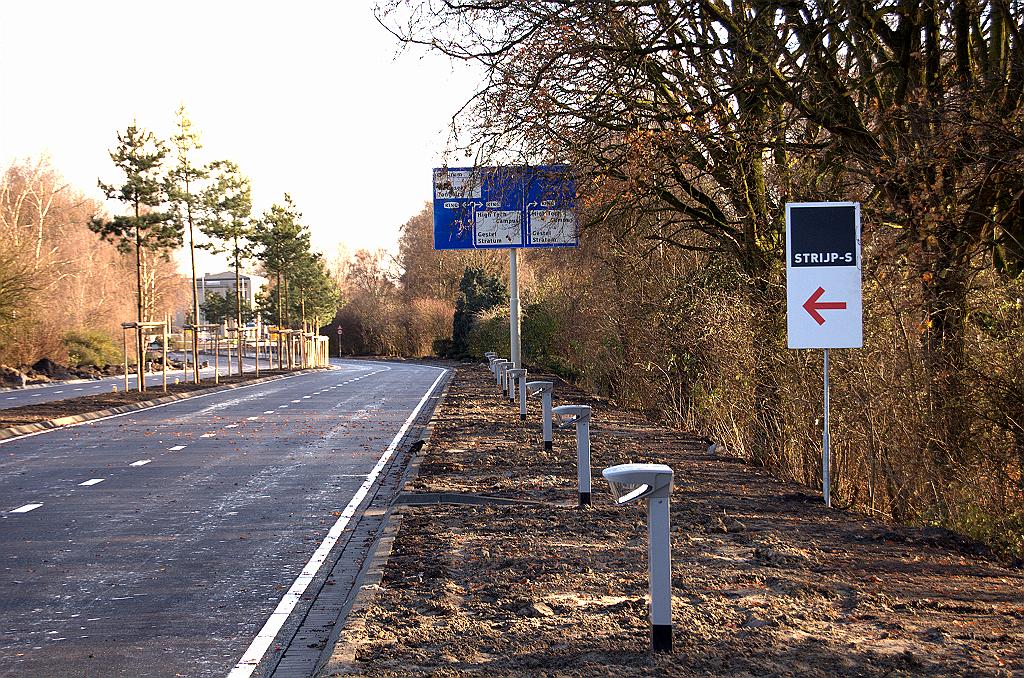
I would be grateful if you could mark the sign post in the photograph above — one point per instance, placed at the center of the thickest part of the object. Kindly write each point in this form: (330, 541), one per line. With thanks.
(505, 208)
(823, 291)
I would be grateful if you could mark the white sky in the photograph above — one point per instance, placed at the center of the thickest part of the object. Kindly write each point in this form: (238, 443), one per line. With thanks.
(307, 97)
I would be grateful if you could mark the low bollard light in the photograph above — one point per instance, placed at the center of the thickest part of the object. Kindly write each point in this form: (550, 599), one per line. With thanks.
(497, 370)
(489, 354)
(503, 369)
(510, 380)
(578, 416)
(653, 483)
(517, 377)
(543, 389)
(492, 364)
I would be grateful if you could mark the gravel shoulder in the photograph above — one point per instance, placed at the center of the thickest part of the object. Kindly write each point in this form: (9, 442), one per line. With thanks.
(766, 581)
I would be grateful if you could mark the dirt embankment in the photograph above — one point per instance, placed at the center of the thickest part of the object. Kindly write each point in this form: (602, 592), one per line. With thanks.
(39, 412)
(766, 580)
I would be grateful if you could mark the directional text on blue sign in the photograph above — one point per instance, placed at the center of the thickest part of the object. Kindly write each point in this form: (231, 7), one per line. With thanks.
(504, 207)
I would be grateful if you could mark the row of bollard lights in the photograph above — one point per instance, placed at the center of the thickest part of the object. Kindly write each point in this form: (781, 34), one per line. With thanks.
(628, 483)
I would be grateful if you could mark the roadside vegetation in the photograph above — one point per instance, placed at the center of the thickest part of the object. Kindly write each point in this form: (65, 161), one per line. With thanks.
(689, 126)
(71, 273)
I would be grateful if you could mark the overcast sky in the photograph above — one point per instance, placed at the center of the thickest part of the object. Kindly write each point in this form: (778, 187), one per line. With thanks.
(307, 97)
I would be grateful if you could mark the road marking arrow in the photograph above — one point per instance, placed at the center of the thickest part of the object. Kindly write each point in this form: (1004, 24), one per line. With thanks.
(812, 305)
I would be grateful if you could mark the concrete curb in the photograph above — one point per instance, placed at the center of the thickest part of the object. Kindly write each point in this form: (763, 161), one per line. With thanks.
(60, 422)
(341, 651)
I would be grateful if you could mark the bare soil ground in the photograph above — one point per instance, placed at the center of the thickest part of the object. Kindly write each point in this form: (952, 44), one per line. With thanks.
(38, 412)
(766, 580)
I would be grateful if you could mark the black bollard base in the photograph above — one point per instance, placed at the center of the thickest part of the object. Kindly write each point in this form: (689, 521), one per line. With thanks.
(584, 499)
(522, 417)
(661, 637)
(547, 446)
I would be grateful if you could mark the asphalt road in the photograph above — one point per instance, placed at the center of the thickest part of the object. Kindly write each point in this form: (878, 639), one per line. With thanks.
(60, 390)
(160, 542)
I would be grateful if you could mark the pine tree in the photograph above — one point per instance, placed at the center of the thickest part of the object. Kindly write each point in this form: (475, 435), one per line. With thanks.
(185, 204)
(140, 156)
(227, 222)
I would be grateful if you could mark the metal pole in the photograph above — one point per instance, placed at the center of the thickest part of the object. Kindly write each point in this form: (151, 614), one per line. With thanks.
(257, 350)
(826, 453)
(522, 396)
(546, 406)
(216, 359)
(163, 336)
(659, 572)
(583, 459)
(124, 343)
(513, 293)
(140, 362)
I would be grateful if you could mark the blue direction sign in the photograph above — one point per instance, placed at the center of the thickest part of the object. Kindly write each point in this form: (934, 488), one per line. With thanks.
(504, 207)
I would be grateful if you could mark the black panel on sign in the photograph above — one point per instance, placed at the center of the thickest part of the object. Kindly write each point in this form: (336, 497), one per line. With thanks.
(823, 236)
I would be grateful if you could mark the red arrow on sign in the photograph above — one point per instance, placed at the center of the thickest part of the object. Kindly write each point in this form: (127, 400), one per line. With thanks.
(812, 305)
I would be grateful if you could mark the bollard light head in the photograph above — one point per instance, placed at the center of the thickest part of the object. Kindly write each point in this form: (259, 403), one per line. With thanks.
(570, 415)
(539, 387)
(517, 372)
(633, 482)
(490, 354)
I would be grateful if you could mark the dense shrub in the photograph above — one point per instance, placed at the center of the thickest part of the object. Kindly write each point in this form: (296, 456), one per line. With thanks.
(90, 347)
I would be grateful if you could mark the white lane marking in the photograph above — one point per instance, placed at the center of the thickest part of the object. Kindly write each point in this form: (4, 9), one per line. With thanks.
(281, 407)
(11, 398)
(91, 482)
(36, 395)
(296, 400)
(268, 411)
(231, 426)
(306, 397)
(140, 462)
(26, 508)
(208, 435)
(176, 448)
(251, 418)
(58, 391)
(79, 389)
(143, 409)
(252, 656)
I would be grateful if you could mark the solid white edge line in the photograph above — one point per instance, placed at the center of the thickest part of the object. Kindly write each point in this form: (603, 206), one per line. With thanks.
(144, 409)
(263, 640)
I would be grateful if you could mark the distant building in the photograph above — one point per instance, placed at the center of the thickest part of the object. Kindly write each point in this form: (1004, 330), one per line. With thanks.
(223, 284)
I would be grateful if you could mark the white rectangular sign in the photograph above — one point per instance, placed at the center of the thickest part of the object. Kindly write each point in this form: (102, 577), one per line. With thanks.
(823, 275)
(499, 227)
(552, 227)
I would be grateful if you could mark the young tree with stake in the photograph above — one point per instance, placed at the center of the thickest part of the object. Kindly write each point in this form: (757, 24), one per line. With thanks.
(185, 204)
(227, 222)
(139, 155)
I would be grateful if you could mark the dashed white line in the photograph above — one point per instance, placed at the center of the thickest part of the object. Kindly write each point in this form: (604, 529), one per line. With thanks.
(268, 411)
(231, 426)
(140, 462)
(58, 391)
(208, 435)
(26, 508)
(91, 482)
(296, 400)
(251, 418)
(176, 448)
(281, 407)
(306, 397)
